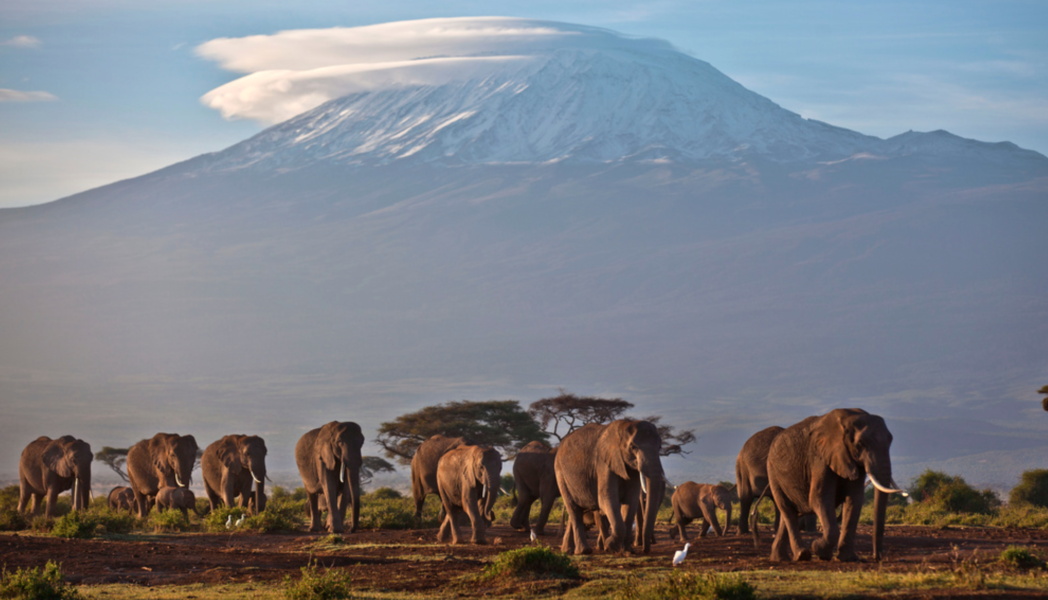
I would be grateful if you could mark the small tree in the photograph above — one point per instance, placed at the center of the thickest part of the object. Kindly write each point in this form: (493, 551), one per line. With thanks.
(1032, 488)
(116, 458)
(953, 494)
(373, 465)
(501, 424)
(1044, 401)
(567, 412)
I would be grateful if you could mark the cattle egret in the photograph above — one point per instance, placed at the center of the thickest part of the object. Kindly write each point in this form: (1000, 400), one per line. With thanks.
(229, 522)
(534, 538)
(240, 521)
(680, 555)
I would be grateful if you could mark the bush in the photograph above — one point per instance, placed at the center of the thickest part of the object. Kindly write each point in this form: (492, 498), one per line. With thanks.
(12, 520)
(707, 586)
(281, 493)
(535, 562)
(332, 584)
(1021, 558)
(9, 497)
(76, 524)
(953, 494)
(169, 521)
(1032, 489)
(385, 493)
(215, 521)
(37, 584)
(278, 516)
(112, 521)
(394, 513)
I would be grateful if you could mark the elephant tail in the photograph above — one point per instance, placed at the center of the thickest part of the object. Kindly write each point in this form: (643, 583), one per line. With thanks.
(753, 518)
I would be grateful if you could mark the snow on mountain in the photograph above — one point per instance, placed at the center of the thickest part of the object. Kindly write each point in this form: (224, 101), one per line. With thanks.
(513, 91)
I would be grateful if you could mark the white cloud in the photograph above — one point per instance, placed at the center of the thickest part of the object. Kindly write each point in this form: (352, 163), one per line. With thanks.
(22, 41)
(20, 96)
(293, 71)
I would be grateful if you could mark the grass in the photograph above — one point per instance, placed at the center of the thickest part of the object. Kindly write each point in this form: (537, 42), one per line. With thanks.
(1021, 558)
(44, 583)
(329, 584)
(538, 562)
(688, 585)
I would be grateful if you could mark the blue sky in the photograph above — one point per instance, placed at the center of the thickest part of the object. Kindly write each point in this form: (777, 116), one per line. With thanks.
(93, 91)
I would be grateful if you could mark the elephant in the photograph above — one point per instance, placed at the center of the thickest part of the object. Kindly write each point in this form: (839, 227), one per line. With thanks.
(701, 500)
(231, 466)
(424, 469)
(751, 473)
(324, 455)
(468, 481)
(48, 467)
(122, 498)
(534, 479)
(820, 463)
(602, 467)
(178, 498)
(165, 460)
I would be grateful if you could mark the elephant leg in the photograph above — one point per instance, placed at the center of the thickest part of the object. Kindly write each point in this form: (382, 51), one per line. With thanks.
(611, 509)
(540, 524)
(576, 529)
(52, 502)
(745, 503)
(24, 495)
(314, 512)
(824, 507)
(850, 517)
(212, 495)
(476, 518)
(522, 512)
(709, 513)
(229, 491)
(445, 529)
(331, 492)
(788, 532)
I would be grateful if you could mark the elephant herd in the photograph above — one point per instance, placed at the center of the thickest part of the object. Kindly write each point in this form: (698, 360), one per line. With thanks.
(610, 475)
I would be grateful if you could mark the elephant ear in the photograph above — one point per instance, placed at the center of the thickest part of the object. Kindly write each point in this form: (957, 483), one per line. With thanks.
(613, 444)
(53, 458)
(828, 435)
(230, 458)
(324, 447)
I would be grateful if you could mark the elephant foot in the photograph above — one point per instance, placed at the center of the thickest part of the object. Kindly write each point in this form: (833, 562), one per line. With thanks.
(847, 555)
(822, 548)
(802, 556)
(583, 551)
(479, 541)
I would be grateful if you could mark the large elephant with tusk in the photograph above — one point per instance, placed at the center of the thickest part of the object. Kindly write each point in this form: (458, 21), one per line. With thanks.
(48, 467)
(606, 468)
(821, 463)
(232, 466)
(165, 460)
(329, 462)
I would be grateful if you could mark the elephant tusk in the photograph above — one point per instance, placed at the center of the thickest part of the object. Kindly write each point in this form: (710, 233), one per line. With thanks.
(643, 486)
(342, 475)
(178, 480)
(484, 491)
(257, 480)
(76, 490)
(884, 489)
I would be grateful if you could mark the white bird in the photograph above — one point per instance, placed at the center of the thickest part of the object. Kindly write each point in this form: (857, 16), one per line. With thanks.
(680, 555)
(240, 521)
(229, 522)
(534, 538)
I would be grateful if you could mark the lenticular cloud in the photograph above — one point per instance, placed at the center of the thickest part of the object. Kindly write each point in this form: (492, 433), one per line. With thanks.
(291, 72)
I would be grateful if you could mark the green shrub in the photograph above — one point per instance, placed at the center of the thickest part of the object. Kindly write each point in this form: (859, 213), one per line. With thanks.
(705, 586)
(41, 523)
(215, 521)
(1021, 558)
(76, 524)
(37, 584)
(281, 493)
(952, 494)
(332, 584)
(169, 521)
(12, 520)
(278, 516)
(394, 513)
(113, 521)
(1032, 489)
(532, 562)
(9, 497)
(385, 493)
(203, 506)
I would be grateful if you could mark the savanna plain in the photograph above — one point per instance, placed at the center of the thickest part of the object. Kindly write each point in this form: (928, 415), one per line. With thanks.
(933, 550)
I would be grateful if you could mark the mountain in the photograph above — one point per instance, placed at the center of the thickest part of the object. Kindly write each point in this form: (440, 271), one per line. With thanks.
(608, 216)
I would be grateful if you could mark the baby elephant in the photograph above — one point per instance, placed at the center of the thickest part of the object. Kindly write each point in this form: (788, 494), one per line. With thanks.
(700, 500)
(176, 497)
(122, 498)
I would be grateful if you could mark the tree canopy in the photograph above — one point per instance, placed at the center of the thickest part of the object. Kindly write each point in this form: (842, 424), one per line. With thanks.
(116, 458)
(373, 465)
(501, 424)
(1044, 402)
(560, 415)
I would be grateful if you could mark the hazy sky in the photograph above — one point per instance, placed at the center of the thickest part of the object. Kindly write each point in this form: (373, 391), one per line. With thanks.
(92, 91)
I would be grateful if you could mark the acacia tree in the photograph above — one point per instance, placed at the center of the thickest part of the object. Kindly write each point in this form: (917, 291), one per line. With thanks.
(501, 424)
(115, 458)
(567, 412)
(373, 465)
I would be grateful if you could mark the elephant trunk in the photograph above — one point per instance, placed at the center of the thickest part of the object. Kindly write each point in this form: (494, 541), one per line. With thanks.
(727, 518)
(260, 495)
(655, 487)
(880, 509)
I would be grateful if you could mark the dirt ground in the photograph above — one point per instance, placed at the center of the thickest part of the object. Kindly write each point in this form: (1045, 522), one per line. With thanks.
(413, 561)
